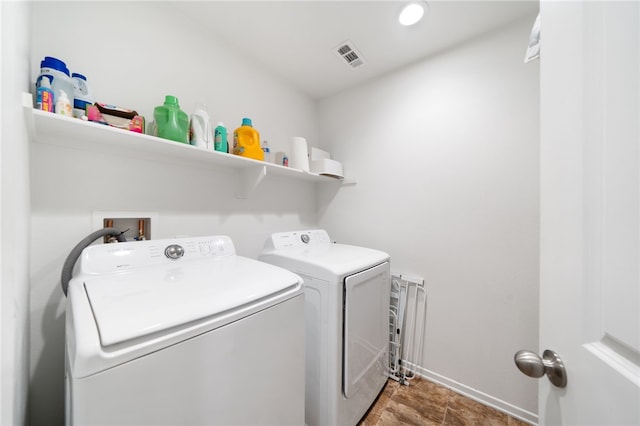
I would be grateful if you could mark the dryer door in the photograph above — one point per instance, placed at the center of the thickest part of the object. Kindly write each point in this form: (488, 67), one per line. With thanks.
(366, 340)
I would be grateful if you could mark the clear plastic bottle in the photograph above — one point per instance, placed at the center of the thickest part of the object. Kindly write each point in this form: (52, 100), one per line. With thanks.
(266, 150)
(63, 104)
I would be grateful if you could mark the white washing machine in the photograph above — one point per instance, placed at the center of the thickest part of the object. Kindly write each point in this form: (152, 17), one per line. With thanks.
(183, 332)
(346, 322)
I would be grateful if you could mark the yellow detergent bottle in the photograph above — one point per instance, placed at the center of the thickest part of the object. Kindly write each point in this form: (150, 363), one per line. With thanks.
(246, 141)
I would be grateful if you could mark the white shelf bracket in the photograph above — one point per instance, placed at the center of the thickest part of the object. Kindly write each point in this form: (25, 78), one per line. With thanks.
(250, 178)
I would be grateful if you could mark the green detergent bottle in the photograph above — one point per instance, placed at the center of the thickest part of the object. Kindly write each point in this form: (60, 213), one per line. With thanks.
(172, 123)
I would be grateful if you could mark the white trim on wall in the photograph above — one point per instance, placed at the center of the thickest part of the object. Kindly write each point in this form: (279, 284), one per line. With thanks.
(479, 396)
(14, 224)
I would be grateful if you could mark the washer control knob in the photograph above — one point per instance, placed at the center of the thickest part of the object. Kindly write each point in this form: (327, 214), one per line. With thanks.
(305, 238)
(174, 251)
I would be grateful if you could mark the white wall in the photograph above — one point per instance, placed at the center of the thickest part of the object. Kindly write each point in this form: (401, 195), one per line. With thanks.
(133, 54)
(445, 154)
(14, 214)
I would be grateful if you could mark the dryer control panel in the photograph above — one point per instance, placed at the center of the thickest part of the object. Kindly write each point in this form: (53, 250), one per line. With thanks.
(283, 240)
(105, 258)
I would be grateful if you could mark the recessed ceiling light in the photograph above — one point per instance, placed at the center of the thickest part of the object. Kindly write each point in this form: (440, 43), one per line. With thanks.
(411, 14)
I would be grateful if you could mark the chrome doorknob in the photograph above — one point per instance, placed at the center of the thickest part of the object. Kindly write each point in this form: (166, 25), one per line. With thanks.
(550, 364)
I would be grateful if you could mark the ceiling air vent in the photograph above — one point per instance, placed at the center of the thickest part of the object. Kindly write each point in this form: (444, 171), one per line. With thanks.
(347, 51)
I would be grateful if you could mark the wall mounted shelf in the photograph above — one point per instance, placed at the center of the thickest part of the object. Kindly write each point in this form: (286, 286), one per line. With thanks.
(54, 129)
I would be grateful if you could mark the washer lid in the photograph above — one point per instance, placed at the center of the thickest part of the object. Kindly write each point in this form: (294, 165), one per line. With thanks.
(328, 262)
(132, 304)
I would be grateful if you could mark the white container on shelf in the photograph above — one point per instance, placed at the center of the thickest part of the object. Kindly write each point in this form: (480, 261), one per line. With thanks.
(82, 94)
(322, 164)
(200, 130)
(299, 154)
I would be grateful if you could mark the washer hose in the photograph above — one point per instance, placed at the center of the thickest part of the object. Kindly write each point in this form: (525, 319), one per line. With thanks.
(67, 268)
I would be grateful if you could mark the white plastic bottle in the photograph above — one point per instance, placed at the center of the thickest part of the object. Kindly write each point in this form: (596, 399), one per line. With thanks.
(63, 104)
(200, 132)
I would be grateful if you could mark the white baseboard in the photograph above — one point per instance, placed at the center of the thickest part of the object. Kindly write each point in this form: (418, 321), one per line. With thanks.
(476, 395)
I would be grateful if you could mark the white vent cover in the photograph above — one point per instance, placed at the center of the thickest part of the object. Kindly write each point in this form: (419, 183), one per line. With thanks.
(347, 51)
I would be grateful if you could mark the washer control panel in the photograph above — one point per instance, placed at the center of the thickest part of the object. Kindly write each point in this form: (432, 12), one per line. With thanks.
(105, 258)
(284, 240)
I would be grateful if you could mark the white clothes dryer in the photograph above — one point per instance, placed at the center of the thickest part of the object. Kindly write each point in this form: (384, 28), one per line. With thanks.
(346, 322)
(183, 332)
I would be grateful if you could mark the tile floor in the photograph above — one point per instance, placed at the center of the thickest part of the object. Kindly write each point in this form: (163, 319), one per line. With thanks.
(426, 403)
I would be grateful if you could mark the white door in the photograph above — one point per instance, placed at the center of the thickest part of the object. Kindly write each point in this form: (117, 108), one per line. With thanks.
(590, 192)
